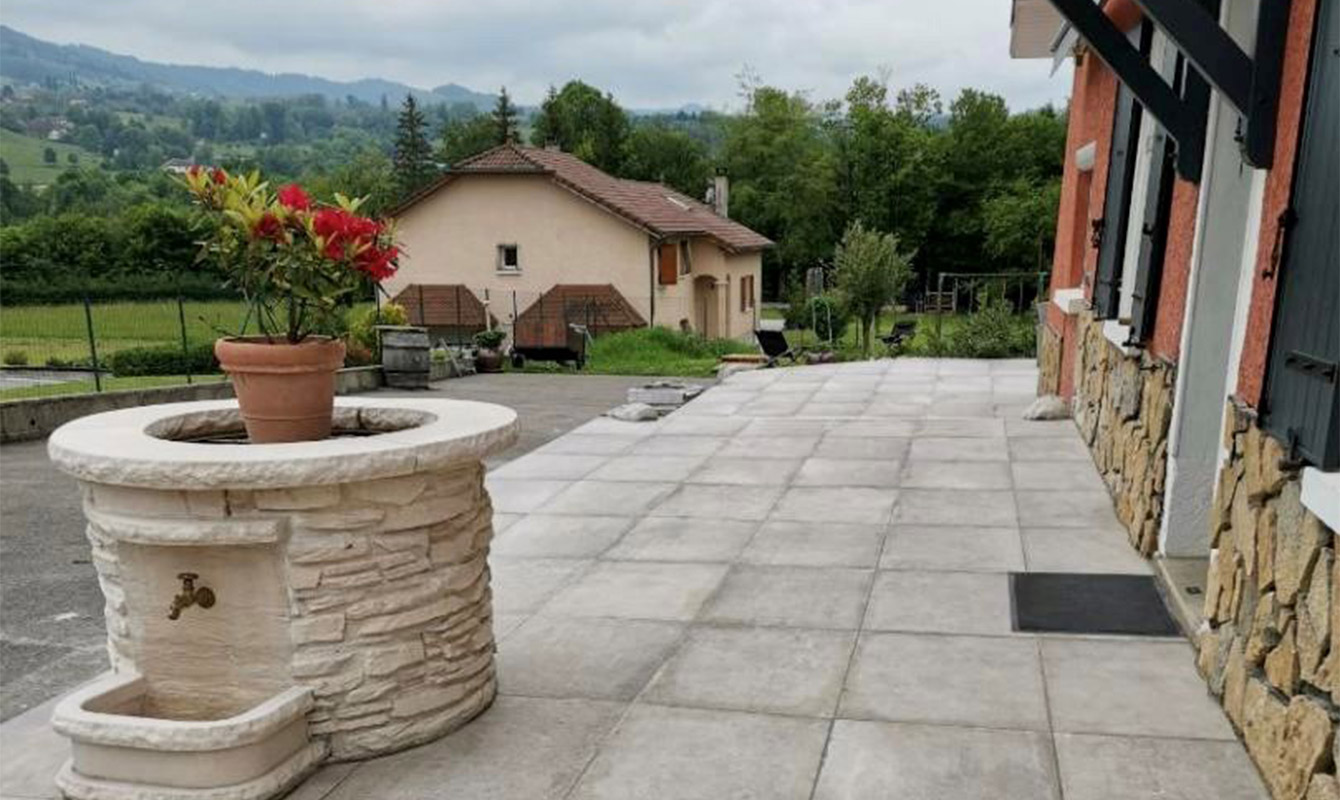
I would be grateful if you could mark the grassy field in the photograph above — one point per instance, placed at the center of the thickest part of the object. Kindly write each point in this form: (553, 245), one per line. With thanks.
(653, 351)
(23, 154)
(109, 384)
(848, 345)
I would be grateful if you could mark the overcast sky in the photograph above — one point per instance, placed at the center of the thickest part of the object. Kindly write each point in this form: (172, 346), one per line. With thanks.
(649, 54)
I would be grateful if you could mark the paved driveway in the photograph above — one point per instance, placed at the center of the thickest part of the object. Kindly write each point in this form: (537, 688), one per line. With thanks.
(796, 587)
(51, 628)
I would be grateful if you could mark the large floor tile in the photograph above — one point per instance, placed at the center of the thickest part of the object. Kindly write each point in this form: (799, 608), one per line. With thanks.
(647, 468)
(956, 680)
(556, 536)
(1041, 428)
(849, 447)
(940, 602)
(1131, 688)
(899, 761)
(934, 547)
(592, 445)
(746, 471)
(762, 448)
(639, 590)
(959, 507)
(520, 749)
(964, 449)
(836, 504)
(945, 426)
(522, 496)
(1049, 449)
(663, 753)
(773, 428)
(705, 501)
(1055, 476)
(608, 426)
(681, 425)
(1133, 768)
(547, 466)
(608, 498)
(522, 585)
(1065, 509)
(874, 429)
(778, 670)
(825, 471)
(678, 445)
(956, 475)
(594, 658)
(683, 539)
(1103, 549)
(814, 544)
(799, 597)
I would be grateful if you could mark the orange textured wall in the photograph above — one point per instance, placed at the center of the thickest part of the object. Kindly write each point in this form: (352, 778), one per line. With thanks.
(1167, 337)
(1251, 371)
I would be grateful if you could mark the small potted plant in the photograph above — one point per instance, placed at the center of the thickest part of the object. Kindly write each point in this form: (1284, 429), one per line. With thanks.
(294, 261)
(490, 357)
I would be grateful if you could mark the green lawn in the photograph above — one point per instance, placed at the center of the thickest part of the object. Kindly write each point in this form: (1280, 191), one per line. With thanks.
(848, 345)
(23, 154)
(109, 384)
(653, 351)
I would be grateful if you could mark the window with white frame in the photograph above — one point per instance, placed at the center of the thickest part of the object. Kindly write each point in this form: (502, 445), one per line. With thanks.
(509, 258)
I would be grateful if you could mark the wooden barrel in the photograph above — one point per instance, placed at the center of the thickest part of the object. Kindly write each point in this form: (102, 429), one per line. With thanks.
(405, 356)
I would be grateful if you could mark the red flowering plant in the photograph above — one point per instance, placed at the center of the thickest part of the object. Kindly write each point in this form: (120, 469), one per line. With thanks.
(293, 259)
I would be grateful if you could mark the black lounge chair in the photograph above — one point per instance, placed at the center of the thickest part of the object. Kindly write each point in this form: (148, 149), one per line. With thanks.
(774, 346)
(900, 335)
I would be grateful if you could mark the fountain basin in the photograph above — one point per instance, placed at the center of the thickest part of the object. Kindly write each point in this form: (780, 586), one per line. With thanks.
(256, 754)
(238, 578)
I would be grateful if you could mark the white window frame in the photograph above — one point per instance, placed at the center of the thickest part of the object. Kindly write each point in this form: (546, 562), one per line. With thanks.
(500, 266)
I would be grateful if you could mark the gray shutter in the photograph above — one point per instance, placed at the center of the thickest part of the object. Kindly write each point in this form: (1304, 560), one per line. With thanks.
(1116, 204)
(1153, 238)
(1302, 402)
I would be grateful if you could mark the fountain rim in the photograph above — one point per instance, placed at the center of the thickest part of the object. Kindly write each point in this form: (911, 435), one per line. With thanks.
(119, 447)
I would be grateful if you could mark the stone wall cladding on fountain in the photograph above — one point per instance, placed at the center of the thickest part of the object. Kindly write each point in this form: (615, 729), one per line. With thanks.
(1273, 611)
(385, 608)
(1123, 407)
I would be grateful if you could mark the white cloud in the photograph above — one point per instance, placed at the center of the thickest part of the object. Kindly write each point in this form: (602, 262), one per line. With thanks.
(649, 54)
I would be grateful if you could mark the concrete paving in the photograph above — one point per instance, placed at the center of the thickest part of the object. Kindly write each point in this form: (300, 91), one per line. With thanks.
(796, 587)
(51, 628)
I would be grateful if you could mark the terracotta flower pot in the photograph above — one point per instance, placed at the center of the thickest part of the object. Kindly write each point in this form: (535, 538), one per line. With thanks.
(286, 391)
(489, 360)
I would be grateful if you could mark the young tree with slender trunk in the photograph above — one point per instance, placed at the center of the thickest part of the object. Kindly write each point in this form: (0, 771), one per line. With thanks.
(871, 273)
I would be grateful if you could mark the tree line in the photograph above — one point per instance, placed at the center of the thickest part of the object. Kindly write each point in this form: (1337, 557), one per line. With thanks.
(965, 186)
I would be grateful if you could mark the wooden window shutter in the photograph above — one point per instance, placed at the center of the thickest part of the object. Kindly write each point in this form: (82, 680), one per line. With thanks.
(753, 299)
(1301, 405)
(1153, 239)
(744, 292)
(669, 264)
(1116, 204)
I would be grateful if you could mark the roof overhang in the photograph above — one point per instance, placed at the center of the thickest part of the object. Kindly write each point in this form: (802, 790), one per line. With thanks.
(1033, 28)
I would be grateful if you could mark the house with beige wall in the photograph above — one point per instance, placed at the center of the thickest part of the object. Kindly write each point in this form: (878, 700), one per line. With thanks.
(536, 232)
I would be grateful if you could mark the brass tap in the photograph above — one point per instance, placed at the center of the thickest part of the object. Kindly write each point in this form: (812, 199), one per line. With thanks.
(190, 595)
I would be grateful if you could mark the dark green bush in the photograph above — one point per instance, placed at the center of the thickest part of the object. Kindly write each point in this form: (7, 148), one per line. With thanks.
(995, 331)
(16, 358)
(197, 359)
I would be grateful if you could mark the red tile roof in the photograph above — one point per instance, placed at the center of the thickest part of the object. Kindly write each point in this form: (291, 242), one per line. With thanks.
(651, 206)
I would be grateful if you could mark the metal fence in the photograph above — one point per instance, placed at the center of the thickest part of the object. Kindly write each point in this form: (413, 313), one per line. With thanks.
(96, 345)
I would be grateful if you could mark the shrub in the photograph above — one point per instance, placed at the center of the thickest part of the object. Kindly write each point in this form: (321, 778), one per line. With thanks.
(16, 358)
(995, 331)
(828, 316)
(363, 325)
(490, 340)
(197, 359)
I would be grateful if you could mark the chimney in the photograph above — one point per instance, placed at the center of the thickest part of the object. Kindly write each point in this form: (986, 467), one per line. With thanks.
(721, 193)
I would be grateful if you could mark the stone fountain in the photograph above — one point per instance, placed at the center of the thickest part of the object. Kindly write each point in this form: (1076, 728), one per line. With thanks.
(273, 606)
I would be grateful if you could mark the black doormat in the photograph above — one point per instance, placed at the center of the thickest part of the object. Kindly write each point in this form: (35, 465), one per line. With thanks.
(1074, 602)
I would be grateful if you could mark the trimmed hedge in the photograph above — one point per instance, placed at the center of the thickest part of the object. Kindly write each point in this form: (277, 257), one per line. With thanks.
(197, 359)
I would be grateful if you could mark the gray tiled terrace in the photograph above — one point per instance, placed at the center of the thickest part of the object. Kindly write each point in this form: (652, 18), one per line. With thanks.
(796, 587)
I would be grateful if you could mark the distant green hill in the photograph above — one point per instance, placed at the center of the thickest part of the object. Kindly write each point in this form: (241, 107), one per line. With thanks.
(24, 154)
(30, 60)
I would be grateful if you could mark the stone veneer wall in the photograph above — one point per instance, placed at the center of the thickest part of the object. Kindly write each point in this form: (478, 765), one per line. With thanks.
(1272, 608)
(389, 615)
(1123, 407)
(1049, 360)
